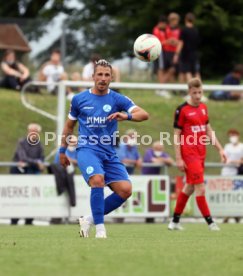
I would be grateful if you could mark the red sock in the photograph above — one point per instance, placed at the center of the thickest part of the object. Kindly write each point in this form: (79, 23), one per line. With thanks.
(203, 206)
(181, 203)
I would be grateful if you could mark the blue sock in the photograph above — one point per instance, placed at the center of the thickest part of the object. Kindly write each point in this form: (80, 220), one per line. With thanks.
(97, 203)
(112, 202)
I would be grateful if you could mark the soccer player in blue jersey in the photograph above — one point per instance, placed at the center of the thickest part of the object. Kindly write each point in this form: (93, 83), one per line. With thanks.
(97, 111)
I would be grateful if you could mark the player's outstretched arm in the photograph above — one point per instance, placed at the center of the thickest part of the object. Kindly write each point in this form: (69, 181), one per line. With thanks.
(67, 131)
(215, 142)
(137, 115)
(177, 144)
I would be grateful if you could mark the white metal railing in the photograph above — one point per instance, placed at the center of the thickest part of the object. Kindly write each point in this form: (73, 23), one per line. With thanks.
(30, 106)
(16, 164)
(147, 165)
(165, 168)
(155, 86)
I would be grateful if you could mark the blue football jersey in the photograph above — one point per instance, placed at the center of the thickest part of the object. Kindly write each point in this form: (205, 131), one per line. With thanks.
(91, 111)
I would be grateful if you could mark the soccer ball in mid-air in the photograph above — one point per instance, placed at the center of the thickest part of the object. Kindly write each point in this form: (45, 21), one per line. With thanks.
(147, 47)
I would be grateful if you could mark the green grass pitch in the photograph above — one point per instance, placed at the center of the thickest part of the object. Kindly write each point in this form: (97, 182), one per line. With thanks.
(131, 249)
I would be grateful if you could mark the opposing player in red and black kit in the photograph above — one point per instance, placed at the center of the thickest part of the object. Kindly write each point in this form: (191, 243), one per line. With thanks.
(191, 129)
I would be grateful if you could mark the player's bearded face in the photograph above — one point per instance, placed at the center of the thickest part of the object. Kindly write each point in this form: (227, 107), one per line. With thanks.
(102, 78)
(196, 94)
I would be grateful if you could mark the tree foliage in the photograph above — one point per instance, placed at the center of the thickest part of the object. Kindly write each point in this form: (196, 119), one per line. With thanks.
(110, 27)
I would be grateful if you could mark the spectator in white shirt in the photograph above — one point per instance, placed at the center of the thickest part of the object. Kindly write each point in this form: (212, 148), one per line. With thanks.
(53, 72)
(234, 154)
(88, 69)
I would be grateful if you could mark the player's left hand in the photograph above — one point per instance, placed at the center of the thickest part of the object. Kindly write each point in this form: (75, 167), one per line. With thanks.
(119, 116)
(223, 156)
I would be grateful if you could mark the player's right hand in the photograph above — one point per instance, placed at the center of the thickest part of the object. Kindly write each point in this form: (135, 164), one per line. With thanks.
(64, 160)
(180, 165)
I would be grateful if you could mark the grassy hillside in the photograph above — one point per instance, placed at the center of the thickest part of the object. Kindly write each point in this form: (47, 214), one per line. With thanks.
(15, 117)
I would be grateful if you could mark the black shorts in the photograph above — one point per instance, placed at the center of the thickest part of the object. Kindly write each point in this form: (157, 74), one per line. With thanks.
(158, 63)
(168, 60)
(189, 65)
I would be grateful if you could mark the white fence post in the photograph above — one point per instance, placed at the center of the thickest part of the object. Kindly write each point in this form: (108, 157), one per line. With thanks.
(61, 109)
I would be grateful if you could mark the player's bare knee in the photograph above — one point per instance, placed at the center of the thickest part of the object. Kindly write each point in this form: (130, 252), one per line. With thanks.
(188, 189)
(192, 188)
(97, 181)
(200, 190)
(125, 192)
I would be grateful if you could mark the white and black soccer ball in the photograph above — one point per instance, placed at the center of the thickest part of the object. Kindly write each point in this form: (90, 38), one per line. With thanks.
(147, 47)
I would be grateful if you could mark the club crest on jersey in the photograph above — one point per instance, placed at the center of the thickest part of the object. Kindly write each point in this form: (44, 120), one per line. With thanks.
(107, 108)
(203, 111)
(89, 170)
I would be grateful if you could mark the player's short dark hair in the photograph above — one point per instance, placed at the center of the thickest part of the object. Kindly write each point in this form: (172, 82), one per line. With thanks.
(190, 17)
(238, 68)
(103, 63)
(194, 82)
(162, 18)
(233, 131)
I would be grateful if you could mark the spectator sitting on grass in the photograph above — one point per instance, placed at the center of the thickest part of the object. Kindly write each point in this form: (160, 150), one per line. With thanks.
(52, 72)
(15, 73)
(29, 153)
(233, 78)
